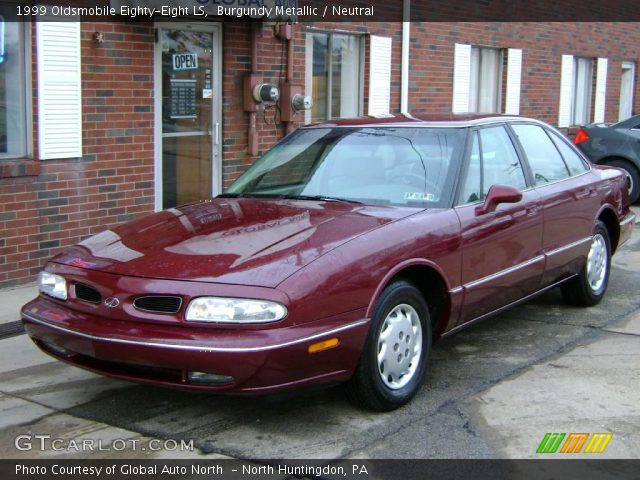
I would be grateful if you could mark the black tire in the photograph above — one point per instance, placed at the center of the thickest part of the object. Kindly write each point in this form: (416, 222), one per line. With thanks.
(579, 291)
(632, 174)
(367, 388)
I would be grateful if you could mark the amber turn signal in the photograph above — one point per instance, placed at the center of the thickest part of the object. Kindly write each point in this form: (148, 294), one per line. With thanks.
(323, 345)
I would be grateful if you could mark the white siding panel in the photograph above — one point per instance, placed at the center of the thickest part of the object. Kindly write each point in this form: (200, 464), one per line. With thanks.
(566, 91)
(461, 78)
(601, 90)
(514, 76)
(379, 75)
(59, 90)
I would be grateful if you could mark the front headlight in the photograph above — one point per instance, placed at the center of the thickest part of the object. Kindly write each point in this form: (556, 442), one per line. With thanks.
(52, 285)
(234, 310)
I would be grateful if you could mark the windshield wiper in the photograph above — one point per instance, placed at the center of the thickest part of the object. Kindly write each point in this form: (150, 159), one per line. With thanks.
(289, 197)
(319, 197)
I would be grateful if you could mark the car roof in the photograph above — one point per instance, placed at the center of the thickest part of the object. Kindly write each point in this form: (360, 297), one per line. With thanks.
(430, 120)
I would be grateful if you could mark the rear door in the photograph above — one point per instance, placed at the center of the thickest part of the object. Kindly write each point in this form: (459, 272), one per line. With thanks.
(501, 258)
(569, 198)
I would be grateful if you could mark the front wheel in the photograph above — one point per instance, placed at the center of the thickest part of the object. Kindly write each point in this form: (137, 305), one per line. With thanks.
(394, 359)
(589, 286)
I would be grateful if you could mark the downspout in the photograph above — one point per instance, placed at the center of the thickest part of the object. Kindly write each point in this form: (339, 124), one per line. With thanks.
(289, 78)
(404, 69)
(252, 146)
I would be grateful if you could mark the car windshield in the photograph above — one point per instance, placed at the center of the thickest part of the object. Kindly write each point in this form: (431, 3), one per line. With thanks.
(412, 166)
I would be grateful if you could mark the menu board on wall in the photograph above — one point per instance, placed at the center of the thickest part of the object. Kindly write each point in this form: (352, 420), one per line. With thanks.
(183, 98)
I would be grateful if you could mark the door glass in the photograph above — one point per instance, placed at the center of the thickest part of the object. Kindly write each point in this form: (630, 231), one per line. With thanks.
(500, 162)
(546, 163)
(187, 116)
(472, 185)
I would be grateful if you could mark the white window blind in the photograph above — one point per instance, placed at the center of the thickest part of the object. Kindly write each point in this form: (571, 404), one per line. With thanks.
(461, 78)
(379, 75)
(59, 90)
(514, 75)
(626, 90)
(566, 91)
(582, 90)
(601, 90)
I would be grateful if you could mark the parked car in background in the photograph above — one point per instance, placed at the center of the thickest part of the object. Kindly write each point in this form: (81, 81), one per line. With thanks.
(617, 145)
(339, 256)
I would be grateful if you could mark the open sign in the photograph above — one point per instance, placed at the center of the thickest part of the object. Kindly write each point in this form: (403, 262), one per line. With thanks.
(185, 61)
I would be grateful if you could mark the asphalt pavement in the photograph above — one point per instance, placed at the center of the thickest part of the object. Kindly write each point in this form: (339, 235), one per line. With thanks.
(492, 391)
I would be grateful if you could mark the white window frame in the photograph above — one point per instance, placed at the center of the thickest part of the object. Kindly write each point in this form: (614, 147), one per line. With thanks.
(28, 102)
(309, 68)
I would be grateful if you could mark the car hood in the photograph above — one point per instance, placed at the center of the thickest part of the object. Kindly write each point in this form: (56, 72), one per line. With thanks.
(245, 241)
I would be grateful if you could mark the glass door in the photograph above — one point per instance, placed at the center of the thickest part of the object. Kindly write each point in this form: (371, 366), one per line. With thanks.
(186, 65)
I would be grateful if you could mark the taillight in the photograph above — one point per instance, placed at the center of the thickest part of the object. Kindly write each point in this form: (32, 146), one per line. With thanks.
(580, 137)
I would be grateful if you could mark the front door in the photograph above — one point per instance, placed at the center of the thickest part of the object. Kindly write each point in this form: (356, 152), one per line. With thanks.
(502, 258)
(188, 100)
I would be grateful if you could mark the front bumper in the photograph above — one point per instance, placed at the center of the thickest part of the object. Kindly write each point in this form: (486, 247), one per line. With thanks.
(259, 361)
(626, 227)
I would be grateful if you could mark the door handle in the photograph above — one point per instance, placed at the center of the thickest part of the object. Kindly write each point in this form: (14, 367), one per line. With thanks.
(533, 210)
(217, 134)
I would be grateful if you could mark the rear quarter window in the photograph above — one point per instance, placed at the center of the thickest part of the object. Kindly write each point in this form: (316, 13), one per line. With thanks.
(575, 164)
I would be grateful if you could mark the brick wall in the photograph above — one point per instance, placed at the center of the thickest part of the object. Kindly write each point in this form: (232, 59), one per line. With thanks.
(543, 45)
(48, 205)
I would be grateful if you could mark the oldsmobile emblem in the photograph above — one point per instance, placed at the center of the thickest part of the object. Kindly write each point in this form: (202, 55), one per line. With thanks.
(112, 302)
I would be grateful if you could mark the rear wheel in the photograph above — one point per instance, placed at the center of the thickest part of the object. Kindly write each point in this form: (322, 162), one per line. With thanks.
(589, 286)
(633, 177)
(394, 359)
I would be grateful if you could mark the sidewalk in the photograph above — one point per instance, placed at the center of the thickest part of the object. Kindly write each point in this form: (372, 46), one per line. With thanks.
(594, 387)
(12, 300)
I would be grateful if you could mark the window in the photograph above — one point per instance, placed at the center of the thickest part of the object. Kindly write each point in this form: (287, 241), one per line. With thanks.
(333, 65)
(493, 161)
(574, 163)
(626, 90)
(13, 82)
(385, 165)
(576, 80)
(486, 80)
(544, 159)
(478, 78)
(473, 181)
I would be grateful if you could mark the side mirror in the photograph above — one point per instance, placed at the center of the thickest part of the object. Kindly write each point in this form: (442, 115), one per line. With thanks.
(499, 194)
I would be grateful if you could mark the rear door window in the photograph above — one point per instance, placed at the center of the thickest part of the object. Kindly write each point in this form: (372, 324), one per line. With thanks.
(544, 159)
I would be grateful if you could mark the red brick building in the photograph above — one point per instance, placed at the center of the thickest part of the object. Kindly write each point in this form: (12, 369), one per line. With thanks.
(105, 121)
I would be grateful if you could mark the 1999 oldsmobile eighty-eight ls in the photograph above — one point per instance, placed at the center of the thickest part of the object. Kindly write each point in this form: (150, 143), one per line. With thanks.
(340, 255)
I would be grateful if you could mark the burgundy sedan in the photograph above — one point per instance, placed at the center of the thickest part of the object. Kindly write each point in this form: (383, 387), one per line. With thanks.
(340, 255)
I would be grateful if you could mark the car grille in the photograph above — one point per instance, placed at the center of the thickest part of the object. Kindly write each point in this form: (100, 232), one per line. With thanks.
(159, 304)
(87, 293)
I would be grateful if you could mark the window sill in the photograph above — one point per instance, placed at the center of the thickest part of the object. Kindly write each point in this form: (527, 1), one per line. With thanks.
(21, 167)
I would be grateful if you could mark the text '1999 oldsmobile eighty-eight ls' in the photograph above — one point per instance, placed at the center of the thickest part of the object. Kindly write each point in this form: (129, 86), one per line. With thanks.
(340, 255)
